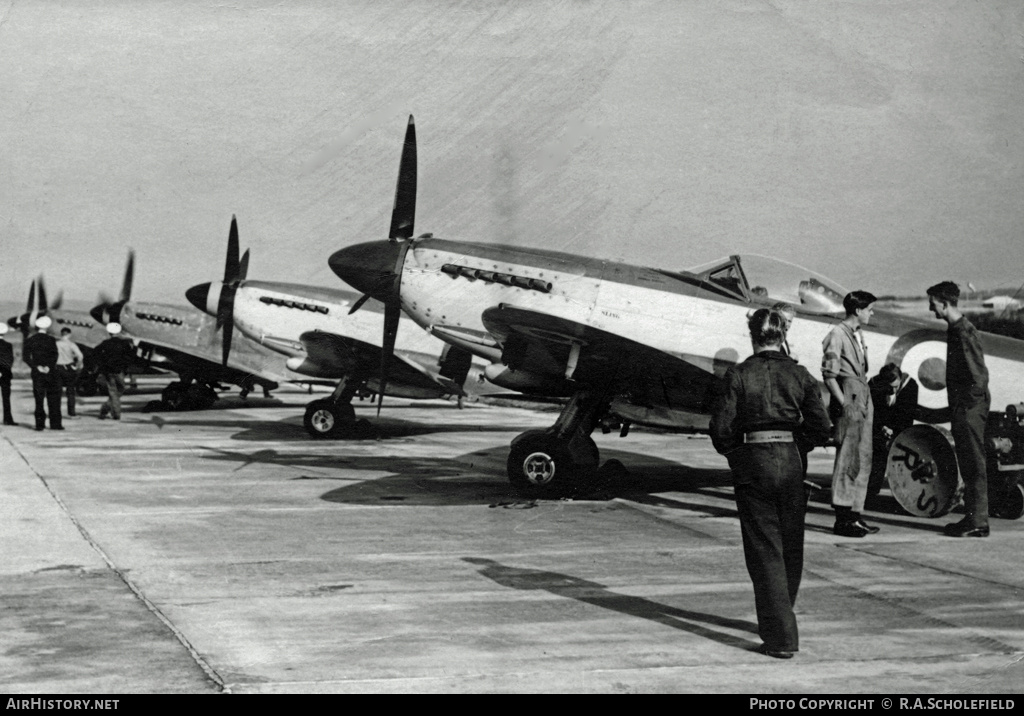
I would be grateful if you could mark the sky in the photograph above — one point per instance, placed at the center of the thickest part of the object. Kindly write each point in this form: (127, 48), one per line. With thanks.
(877, 142)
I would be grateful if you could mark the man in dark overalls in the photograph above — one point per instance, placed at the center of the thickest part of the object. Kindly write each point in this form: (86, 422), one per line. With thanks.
(6, 368)
(969, 400)
(769, 413)
(40, 353)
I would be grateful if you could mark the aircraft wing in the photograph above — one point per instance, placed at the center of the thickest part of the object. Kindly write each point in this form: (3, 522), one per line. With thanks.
(168, 356)
(634, 373)
(334, 355)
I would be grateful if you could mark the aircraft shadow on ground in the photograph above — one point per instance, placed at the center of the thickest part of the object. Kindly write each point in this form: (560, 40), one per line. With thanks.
(292, 430)
(569, 587)
(479, 478)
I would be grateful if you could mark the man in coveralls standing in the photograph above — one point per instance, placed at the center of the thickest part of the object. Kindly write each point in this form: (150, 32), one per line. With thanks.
(769, 413)
(6, 366)
(969, 400)
(39, 351)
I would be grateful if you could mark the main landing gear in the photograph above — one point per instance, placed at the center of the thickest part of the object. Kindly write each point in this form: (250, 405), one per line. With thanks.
(334, 418)
(561, 461)
(188, 395)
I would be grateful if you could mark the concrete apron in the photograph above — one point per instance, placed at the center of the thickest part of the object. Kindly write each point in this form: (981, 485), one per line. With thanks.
(224, 550)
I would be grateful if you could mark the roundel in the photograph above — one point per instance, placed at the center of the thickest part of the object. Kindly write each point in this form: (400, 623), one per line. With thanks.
(921, 354)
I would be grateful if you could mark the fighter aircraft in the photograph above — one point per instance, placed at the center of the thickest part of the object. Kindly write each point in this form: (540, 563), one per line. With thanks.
(191, 344)
(631, 344)
(322, 337)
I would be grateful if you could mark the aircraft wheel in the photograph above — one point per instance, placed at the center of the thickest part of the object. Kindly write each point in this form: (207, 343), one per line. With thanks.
(87, 387)
(541, 465)
(174, 395)
(199, 397)
(326, 419)
(1010, 505)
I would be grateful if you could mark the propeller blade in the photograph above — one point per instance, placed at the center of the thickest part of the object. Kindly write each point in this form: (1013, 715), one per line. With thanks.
(43, 306)
(243, 268)
(129, 278)
(403, 214)
(32, 314)
(359, 304)
(392, 314)
(229, 327)
(58, 301)
(231, 264)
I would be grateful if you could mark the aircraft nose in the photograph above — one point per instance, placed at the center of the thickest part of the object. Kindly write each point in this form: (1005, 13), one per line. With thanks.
(368, 267)
(199, 296)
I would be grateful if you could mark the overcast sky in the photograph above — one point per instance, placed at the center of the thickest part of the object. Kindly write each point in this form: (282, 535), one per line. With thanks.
(879, 142)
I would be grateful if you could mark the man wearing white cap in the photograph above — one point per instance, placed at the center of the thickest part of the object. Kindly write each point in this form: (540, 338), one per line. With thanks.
(6, 363)
(40, 353)
(113, 358)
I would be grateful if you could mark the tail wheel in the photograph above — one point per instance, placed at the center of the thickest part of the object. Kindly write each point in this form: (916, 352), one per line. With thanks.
(326, 419)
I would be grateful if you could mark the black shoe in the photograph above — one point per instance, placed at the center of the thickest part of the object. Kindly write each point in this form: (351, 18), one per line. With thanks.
(871, 529)
(963, 528)
(40, 427)
(850, 529)
(9, 422)
(775, 653)
(59, 427)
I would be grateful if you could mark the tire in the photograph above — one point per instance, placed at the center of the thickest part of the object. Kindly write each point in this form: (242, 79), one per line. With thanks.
(174, 396)
(541, 466)
(327, 420)
(1008, 506)
(199, 397)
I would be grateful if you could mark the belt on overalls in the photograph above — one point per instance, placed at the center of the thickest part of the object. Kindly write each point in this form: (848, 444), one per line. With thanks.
(768, 436)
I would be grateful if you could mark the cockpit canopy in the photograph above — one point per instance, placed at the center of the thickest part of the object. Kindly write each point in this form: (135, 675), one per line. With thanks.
(764, 280)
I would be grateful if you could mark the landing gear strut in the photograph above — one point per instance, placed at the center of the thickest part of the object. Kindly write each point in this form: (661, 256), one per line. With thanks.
(560, 460)
(334, 418)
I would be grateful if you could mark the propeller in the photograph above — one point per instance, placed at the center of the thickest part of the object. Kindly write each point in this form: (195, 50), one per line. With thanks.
(375, 268)
(235, 271)
(27, 320)
(403, 220)
(217, 298)
(108, 310)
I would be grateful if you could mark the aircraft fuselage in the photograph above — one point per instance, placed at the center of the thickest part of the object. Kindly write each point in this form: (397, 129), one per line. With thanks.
(446, 286)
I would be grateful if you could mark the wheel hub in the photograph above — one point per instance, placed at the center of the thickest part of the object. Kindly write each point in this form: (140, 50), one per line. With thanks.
(322, 421)
(539, 468)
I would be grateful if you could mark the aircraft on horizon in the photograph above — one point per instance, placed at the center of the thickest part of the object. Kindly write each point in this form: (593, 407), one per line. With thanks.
(86, 332)
(187, 342)
(322, 336)
(631, 344)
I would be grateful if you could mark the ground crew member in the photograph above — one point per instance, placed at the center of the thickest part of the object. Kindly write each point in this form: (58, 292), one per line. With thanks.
(769, 412)
(6, 368)
(844, 367)
(894, 400)
(113, 357)
(70, 362)
(40, 353)
(969, 400)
